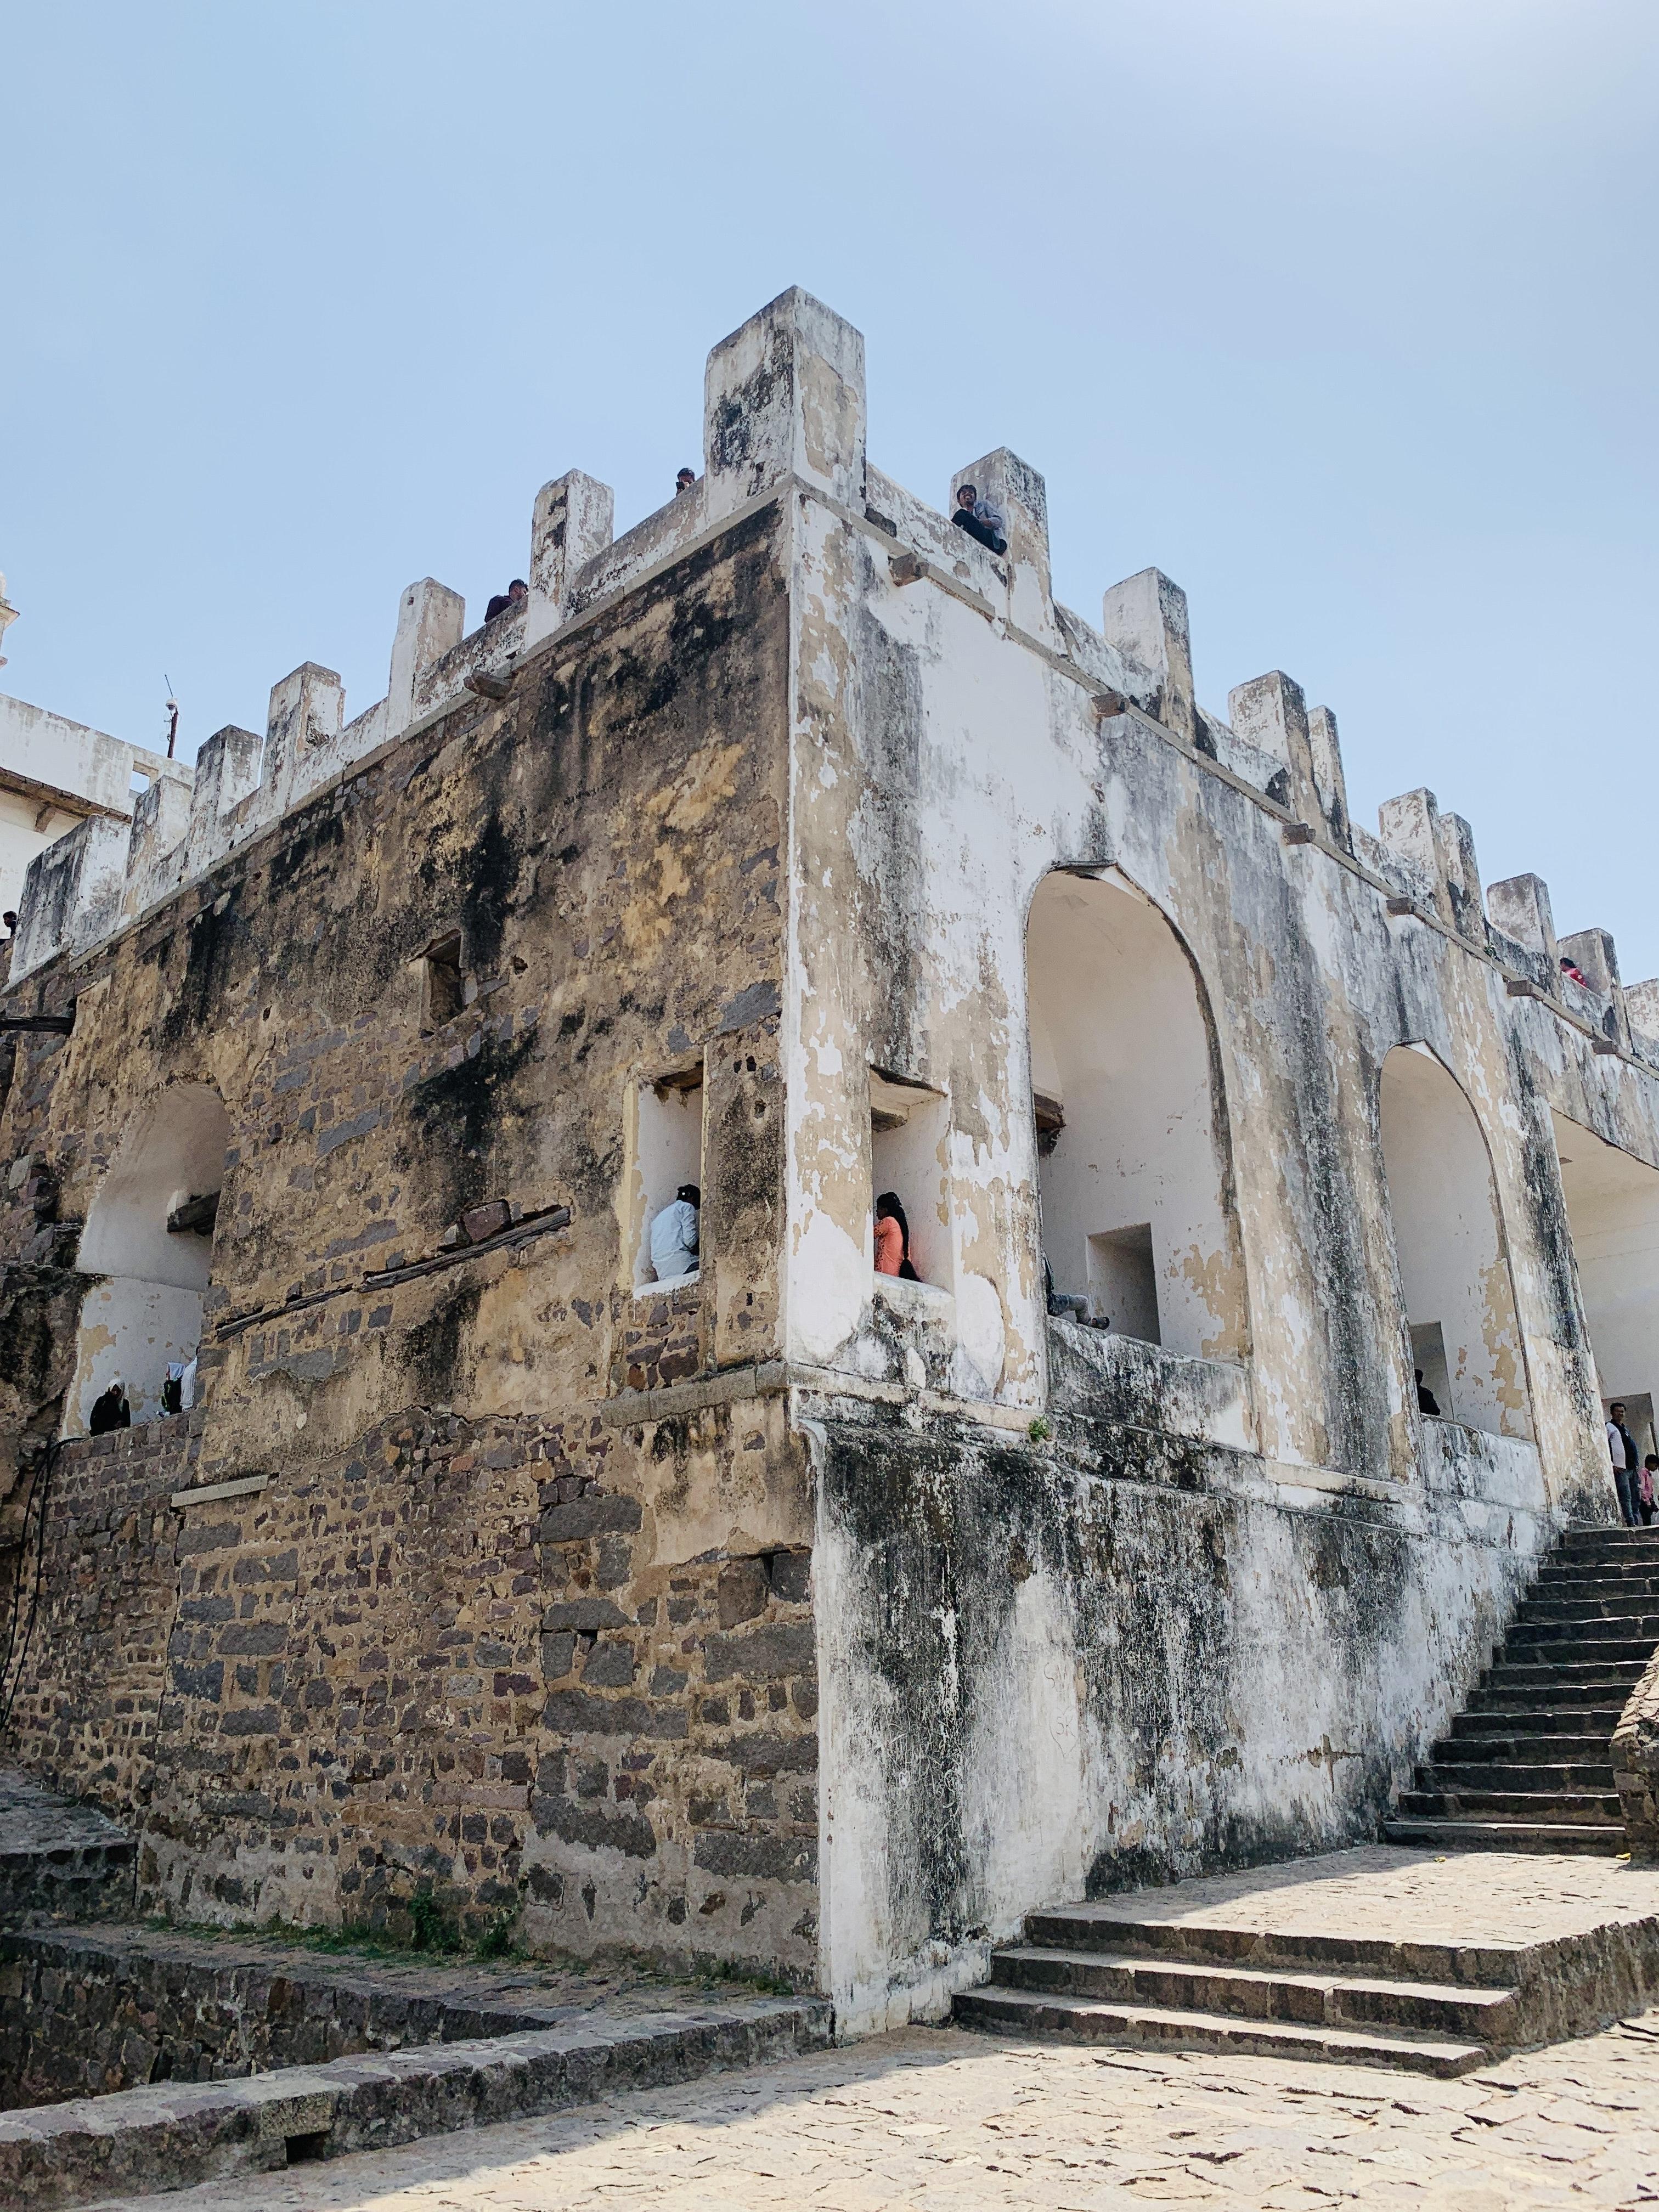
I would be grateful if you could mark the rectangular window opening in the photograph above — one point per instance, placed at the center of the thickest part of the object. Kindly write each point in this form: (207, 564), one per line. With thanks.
(1123, 1281)
(444, 986)
(668, 1163)
(910, 1132)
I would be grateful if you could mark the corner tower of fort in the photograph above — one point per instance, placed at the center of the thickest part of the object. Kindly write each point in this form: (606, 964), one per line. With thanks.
(798, 846)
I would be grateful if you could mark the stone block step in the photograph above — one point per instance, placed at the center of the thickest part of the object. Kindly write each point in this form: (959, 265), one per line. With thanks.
(1571, 1700)
(1583, 1540)
(1578, 1807)
(1544, 1667)
(1309, 1996)
(1437, 1832)
(1587, 1639)
(1023, 2012)
(1585, 1724)
(1570, 1575)
(1516, 1747)
(1089, 1928)
(1555, 1778)
(1620, 1613)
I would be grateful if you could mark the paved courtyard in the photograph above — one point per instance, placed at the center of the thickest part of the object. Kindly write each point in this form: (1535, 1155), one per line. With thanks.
(936, 2119)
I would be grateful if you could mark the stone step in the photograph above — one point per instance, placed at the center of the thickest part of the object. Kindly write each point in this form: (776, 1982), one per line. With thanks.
(1579, 1808)
(1084, 1928)
(1578, 1704)
(1617, 1638)
(1622, 1606)
(1516, 1748)
(1636, 1550)
(1024, 2012)
(1560, 1571)
(1557, 1778)
(1426, 1833)
(1310, 1996)
(59, 1860)
(1549, 1667)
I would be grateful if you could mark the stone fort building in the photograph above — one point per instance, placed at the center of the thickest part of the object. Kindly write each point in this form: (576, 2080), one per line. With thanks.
(795, 845)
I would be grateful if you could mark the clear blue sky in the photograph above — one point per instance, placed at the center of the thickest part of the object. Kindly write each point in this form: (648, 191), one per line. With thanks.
(1342, 312)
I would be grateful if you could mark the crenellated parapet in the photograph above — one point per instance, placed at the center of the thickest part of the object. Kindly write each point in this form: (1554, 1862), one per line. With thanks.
(784, 403)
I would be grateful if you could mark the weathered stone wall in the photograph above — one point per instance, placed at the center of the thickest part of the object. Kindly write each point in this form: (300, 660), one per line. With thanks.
(1058, 1669)
(464, 1636)
(1161, 1651)
(89, 1684)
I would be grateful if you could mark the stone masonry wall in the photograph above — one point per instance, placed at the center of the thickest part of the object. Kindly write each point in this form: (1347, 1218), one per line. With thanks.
(465, 1637)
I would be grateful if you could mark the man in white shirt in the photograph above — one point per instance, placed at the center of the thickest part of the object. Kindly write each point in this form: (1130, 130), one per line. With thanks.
(674, 1236)
(1621, 1452)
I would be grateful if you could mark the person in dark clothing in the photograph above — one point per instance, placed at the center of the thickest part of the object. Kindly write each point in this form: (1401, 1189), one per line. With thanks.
(1647, 1489)
(10, 922)
(980, 519)
(110, 1410)
(1426, 1400)
(686, 480)
(516, 591)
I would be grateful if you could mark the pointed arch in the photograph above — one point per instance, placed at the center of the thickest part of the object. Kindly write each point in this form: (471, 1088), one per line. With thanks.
(1451, 1255)
(149, 1239)
(1134, 1155)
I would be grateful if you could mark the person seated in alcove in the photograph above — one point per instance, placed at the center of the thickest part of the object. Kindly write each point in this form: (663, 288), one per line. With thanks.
(674, 1235)
(893, 1239)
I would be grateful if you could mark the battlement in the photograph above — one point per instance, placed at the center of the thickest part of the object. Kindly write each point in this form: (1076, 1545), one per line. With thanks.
(784, 404)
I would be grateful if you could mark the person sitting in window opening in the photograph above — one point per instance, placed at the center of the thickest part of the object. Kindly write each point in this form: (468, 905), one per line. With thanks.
(1647, 1489)
(516, 593)
(110, 1410)
(1573, 972)
(1060, 1302)
(674, 1235)
(1621, 1450)
(686, 480)
(1426, 1400)
(893, 1239)
(980, 519)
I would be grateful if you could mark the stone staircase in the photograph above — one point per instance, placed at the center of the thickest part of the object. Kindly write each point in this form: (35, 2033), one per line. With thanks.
(1093, 1973)
(59, 1860)
(1420, 1961)
(1527, 1766)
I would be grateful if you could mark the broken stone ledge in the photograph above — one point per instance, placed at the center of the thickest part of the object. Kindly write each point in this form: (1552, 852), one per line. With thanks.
(174, 2136)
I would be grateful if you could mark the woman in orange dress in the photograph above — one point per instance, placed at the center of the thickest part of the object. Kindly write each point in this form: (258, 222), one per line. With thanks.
(893, 1238)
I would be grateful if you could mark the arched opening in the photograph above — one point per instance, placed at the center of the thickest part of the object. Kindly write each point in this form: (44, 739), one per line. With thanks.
(1132, 1167)
(1448, 1245)
(1612, 1216)
(150, 1238)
